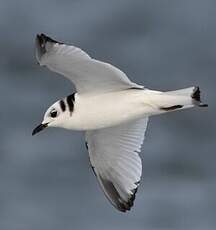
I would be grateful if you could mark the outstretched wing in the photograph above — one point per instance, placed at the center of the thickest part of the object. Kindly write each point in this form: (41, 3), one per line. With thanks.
(87, 74)
(115, 160)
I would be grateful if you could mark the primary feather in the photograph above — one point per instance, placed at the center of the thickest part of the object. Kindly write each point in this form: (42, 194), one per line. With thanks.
(88, 75)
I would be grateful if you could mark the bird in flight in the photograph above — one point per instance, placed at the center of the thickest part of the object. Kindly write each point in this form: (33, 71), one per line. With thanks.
(112, 110)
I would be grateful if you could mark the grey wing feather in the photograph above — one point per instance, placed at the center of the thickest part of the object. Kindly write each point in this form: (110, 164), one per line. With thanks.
(87, 74)
(115, 160)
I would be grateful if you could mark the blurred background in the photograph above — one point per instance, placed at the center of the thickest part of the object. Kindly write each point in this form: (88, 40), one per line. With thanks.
(46, 181)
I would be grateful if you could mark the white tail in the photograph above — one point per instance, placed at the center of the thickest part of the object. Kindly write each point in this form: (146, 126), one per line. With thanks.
(178, 99)
(192, 92)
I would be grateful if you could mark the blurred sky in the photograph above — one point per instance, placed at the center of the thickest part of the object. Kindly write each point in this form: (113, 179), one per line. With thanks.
(46, 181)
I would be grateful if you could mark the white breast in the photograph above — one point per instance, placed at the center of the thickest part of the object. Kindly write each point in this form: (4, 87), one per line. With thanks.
(106, 110)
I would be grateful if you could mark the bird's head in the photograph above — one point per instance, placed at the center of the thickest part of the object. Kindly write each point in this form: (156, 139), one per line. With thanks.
(57, 114)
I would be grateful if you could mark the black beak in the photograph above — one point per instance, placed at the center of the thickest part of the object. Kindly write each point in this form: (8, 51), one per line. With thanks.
(39, 128)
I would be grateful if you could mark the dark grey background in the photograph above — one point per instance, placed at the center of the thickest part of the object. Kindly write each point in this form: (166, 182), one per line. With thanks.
(46, 181)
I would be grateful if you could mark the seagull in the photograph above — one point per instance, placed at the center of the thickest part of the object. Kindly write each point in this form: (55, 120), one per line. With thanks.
(112, 110)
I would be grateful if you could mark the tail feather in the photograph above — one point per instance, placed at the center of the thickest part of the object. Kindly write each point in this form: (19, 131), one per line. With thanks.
(182, 92)
(196, 97)
(193, 92)
(181, 99)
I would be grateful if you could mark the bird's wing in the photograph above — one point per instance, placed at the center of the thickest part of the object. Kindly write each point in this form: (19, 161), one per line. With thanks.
(115, 160)
(87, 74)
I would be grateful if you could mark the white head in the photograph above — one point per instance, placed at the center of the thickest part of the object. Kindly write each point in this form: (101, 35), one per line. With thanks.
(57, 114)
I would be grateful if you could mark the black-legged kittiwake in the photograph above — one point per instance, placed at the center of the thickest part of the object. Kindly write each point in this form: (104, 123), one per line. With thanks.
(113, 112)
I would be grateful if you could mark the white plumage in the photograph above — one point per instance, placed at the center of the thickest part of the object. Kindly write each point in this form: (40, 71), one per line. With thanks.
(112, 110)
(115, 160)
(88, 75)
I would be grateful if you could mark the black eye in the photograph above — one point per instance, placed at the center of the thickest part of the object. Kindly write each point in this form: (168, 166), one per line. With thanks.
(53, 113)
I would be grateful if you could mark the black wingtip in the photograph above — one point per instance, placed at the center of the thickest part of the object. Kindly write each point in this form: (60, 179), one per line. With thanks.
(44, 38)
(40, 42)
(114, 196)
(197, 98)
(196, 94)
(40, 47)
(130, 202)
(126, 206)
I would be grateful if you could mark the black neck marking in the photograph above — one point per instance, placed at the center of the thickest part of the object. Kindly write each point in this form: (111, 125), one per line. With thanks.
(70, 101)
(62, 105)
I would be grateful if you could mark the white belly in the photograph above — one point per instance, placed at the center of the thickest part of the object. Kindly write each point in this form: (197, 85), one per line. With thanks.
(95, 112)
